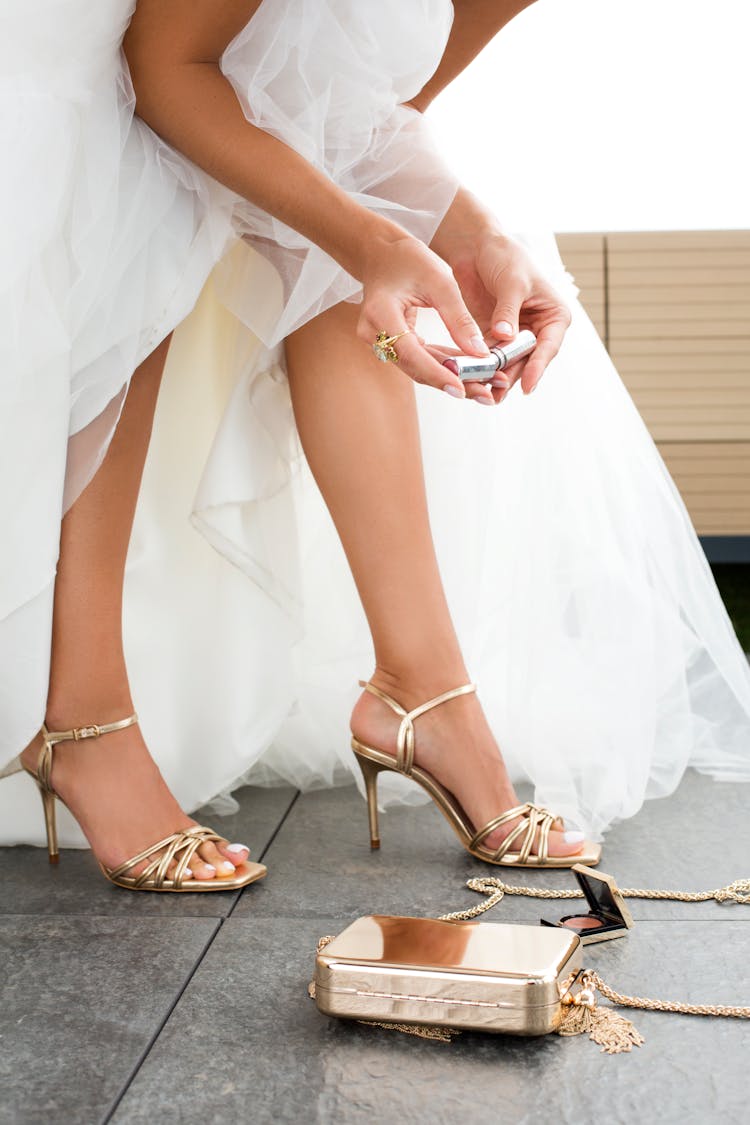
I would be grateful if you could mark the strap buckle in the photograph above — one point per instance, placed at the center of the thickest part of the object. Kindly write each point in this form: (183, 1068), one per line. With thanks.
(86, 732)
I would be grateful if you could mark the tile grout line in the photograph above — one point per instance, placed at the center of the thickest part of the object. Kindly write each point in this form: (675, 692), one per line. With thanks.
(162, 1023)
(264, 853)
(199, 961)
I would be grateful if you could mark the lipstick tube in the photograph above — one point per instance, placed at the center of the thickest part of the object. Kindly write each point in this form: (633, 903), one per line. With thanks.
(471, 368)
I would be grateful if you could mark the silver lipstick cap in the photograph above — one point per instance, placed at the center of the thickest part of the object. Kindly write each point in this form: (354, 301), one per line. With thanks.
(521, 345)
(471, 368)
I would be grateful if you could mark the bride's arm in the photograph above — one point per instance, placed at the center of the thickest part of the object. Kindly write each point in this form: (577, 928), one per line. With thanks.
(501, 285)
(475, 22)
(173, 50)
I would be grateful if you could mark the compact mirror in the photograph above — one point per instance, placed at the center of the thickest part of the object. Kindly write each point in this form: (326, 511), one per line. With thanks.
(608, 916)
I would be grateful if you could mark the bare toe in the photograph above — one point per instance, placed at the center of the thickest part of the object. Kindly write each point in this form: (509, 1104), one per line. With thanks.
(210, 854)
(237, 854)
(200, 869)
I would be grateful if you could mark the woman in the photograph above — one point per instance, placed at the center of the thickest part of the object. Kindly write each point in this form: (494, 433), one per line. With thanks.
(204, 96)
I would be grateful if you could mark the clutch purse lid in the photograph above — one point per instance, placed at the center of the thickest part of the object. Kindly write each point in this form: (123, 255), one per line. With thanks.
(476, 948)
(403, 968)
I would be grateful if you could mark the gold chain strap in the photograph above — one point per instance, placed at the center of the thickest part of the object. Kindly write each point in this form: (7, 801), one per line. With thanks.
(593, 980)
(738, 891)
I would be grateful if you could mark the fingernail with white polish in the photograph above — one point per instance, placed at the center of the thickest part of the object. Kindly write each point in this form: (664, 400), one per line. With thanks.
(573, 837)
(501, 384)
(503, 328)
(236, 848)
(451, 390)
(483, 400)
(478, 343)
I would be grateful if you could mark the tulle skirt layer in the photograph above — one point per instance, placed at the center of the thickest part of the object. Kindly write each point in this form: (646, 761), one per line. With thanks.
(585, 607)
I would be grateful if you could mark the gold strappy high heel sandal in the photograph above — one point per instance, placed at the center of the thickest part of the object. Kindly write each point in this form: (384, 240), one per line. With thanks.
(179, 847)
(534, 820)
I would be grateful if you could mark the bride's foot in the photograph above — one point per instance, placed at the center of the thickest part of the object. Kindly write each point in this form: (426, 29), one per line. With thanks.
(114, 789)
(455, 745)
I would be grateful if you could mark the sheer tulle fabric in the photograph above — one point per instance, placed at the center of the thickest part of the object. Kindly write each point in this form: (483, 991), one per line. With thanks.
(106, 242)
(604, 656)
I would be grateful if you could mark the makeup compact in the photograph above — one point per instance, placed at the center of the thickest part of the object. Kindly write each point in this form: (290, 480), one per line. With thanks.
(608, 916)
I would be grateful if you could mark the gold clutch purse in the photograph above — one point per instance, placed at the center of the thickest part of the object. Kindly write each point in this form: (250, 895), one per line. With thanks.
(479, 976)
(438, 976)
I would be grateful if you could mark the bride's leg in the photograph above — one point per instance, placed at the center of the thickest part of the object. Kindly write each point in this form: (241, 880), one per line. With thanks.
(358, 424)
(114, 788)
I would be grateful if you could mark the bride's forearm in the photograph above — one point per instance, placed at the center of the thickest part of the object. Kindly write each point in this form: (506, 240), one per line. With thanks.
(182, 94)
(475, 23)
(465, 226)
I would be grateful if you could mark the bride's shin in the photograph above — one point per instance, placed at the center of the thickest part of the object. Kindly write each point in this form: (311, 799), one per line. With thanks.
(88, 678)
(358, 424)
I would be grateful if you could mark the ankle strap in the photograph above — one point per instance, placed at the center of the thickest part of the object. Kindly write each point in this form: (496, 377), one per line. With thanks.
(75, 734)
(405, 736)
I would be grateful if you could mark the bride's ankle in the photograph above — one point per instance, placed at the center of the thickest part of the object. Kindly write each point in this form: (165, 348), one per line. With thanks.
(78, 710)
(413, 686)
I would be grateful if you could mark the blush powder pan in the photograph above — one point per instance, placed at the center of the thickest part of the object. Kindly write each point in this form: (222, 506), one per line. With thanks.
(608, 915)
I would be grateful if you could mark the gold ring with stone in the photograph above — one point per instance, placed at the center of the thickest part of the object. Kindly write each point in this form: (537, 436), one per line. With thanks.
(383, 346)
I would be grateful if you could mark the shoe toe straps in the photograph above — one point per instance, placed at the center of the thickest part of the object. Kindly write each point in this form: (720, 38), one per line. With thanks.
(180, 846)
(533, 818)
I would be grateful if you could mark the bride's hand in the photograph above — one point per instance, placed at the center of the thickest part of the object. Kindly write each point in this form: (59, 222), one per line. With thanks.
(400, 276)
(503, 289)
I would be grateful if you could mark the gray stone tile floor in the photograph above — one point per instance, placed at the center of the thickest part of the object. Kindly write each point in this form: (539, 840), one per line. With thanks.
(120, 1007)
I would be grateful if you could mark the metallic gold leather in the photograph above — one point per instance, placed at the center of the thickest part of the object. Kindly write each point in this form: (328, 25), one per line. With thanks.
(480, 976)
(535, 823)
(180, 846)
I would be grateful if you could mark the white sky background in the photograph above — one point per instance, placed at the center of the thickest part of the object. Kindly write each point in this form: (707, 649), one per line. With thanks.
(608, 115)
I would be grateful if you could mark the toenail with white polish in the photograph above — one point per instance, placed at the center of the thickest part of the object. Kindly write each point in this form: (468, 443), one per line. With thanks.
(210, 867)
(236, 848)
(227, 866)
(188, 872)
(573, 837)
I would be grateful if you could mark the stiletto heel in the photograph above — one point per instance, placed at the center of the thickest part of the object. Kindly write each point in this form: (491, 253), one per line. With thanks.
(179, 848)
(370, 771)
(50, 822)
(534, 822)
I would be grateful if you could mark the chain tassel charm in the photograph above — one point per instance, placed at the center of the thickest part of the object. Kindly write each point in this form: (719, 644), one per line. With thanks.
(612, 1032)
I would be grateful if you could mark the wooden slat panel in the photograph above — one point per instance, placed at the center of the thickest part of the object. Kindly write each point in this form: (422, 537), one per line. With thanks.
(583, 255)
(580, 242)
(677, 308)
(656, 345)
(681, 257)
(647, 294)
(714, 480)
(668, 240)
(691, 273)
(681, 380)
(718, 346)
(677, 330)
(664, 309)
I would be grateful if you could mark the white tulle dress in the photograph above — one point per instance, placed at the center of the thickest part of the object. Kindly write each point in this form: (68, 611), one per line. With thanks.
(591, 622)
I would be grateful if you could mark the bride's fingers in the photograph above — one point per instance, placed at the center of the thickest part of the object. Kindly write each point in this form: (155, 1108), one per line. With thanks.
(548, 341)
(447, 301)
(415, 360)
(413, 357)
(480, 392)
